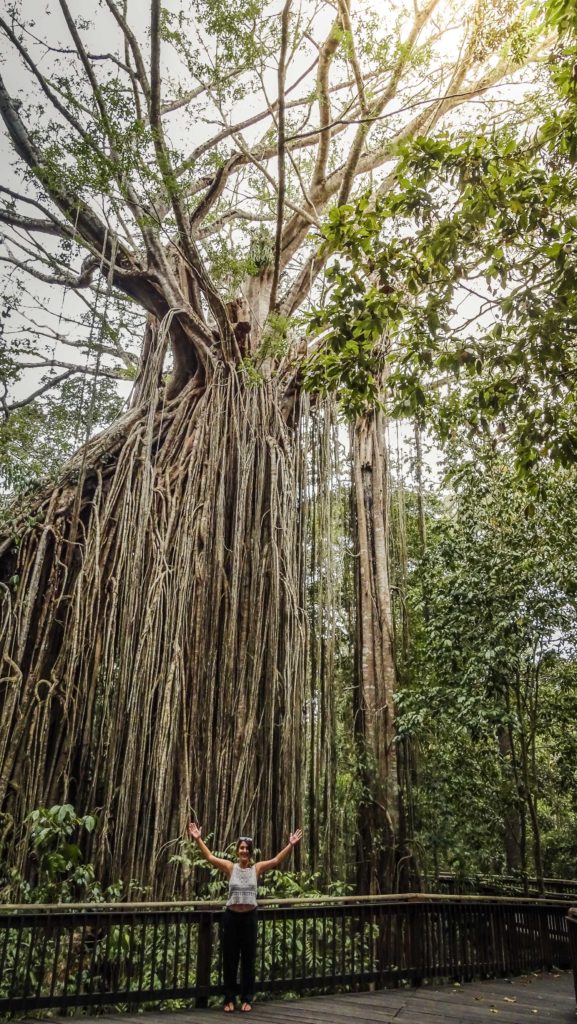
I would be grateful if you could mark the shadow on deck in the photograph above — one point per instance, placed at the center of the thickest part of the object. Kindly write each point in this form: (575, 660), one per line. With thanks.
(533, 997)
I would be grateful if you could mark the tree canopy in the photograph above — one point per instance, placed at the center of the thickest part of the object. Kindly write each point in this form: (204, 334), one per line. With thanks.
(479, 308)
(220, 139)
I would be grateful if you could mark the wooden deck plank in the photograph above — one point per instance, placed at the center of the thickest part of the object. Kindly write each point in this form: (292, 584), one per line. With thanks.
(546, 997)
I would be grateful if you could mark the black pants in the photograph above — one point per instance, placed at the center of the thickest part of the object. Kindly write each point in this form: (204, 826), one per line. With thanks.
(238, 943)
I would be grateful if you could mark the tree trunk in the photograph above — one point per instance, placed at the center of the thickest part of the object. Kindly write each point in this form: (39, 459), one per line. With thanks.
(512, 820)
(154, 650)
(378, 816)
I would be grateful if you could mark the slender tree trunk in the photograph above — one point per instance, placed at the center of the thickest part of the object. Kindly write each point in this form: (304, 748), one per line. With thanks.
(528, 789)
(420, 495)
(378, 818)
(520, 800)
(322, 598)
(408, 870)
(512, 821)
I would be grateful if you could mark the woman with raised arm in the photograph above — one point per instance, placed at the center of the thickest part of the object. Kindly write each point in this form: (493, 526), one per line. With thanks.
(239, 920)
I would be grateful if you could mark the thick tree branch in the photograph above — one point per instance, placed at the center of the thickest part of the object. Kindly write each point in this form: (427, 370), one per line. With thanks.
(349, 170)
(87, 224)
(187, 245)
(424, 122)
(326, 55)
(344, 11)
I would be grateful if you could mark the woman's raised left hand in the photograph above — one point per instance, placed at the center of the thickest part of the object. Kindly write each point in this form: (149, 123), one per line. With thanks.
(296, 837)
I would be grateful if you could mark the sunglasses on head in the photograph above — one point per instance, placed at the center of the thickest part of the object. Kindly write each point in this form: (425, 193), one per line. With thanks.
(245, 839)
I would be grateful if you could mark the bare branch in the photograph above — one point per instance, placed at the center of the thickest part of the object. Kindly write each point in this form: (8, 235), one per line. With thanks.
(30, 201)
(82, 280)
(132, 43)
(67, 51)
(281, 151)
(155, 65)
(134, 80)
(95, 371)
(86, 64)
(262, 153)
(212, 194)
(422, 123)
(47, 386)
(301, 287)
(46, 227)
(130, 360)
(230, 130)
(126, 189)
(182, 101)
(427, 120)
(349, 171)
(62, 110)
(258, 161)
(288, 151)
(233, 214)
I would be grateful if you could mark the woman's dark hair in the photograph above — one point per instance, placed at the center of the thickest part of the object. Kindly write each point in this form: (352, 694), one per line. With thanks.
(249, 842)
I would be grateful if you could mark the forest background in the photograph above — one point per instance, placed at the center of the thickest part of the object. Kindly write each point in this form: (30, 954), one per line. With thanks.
(257, 259)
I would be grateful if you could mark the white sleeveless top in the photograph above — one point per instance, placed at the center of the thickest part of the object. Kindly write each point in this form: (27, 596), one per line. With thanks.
(242, 886)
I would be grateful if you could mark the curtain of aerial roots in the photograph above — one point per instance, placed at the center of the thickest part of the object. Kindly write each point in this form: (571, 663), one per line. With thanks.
(408, 874)
(324, 543)
(378, 816)
(155, 663)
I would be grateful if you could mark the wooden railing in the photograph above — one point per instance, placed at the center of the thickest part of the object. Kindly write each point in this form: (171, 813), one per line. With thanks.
(126, 955)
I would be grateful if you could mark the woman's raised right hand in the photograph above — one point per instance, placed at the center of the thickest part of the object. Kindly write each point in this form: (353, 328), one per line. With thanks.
(194, 831)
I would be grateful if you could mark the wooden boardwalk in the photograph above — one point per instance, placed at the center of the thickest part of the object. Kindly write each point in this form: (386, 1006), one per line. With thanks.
(547, 997)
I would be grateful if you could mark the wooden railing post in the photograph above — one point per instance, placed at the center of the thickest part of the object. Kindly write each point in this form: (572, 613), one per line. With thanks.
(203, 960)
(572, 929)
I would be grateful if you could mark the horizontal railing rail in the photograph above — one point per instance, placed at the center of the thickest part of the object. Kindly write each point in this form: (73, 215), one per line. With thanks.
(509, 885)
(126, 955)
